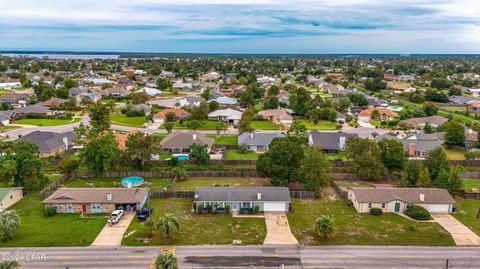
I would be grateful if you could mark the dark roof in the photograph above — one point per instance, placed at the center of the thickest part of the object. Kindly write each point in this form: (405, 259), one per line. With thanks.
(422, 142)
(48, 141)
(329, 140)
(36, 108)
(185, 139)
(409, 195)
(256, 138)
(97, 195)
(240, 194)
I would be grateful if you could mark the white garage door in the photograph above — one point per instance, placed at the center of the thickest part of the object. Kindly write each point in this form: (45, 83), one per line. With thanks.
(438, 208)
(274, 207)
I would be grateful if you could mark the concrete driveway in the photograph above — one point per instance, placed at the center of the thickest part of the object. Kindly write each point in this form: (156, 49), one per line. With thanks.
(278, 230)
(113, 235)
(462, 235)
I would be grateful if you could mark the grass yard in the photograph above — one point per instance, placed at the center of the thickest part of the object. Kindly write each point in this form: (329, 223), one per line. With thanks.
(468, 184)
(321, 125)
(162, 136)
(232, 154)
(4, 91)
(154, 184)
(467, 213)
(191, 183)
(224, 139)
(38, 230)
(8, 128)
(195, 229)
(122, 119)
(265, 125)
(453, 154)
(353, 228)
(354, 184)
(206, 125)
(46, 122)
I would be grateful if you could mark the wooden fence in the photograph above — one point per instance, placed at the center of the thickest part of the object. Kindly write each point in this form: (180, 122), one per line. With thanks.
(51, 188)
(172, 194)
(470, 195)
(341, 192)
(353, 176)
(303, 194)
(171, 174)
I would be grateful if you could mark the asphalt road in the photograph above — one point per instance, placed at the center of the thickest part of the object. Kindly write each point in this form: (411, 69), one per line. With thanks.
(250, 257)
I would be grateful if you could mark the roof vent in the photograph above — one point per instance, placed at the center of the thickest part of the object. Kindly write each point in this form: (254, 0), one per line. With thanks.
(259, 196)
(422, 197)
(194, 136)
(109, 196)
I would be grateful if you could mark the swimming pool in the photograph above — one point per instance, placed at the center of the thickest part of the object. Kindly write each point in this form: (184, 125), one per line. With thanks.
(182, 157)
(129, 182)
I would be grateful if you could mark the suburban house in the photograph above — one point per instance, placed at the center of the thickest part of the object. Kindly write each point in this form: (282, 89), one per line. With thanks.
(385, 114)
(277, 116)
(460, 100)
(471, 138)
(474, 105)
(225, 101)
(161, 116)
(397, 199)
(398, 88)
(9, 196)
(419, 146)
(96, 200)
(189, 101)
(152, 92)
(10, 85)
(123, 137)
(50, 143)
(374, 102)
(182, 86)
(14, 99)
(115, 92)
(53, 102)
(179, 142)
(4, 118)
(257, 141)
(230, 116)
(240, 199)
(419, 123)
(331, 142)
(73, 92)
(341, 118)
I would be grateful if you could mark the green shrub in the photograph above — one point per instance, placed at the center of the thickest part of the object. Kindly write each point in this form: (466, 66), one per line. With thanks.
(242, 149)
(50, 211)
(227, 209)
(376, 211)
(199, 208)
(417, 212)
(209, 208)
(256, 209)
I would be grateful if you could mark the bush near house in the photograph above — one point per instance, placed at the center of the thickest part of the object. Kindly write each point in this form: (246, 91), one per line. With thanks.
(417, 212)
(376, 211)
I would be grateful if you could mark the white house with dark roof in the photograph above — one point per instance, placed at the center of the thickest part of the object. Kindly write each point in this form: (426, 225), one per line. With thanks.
(330, 142)
(258, 141)
(230, 116)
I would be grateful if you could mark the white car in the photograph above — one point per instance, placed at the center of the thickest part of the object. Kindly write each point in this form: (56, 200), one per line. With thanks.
(115, 217)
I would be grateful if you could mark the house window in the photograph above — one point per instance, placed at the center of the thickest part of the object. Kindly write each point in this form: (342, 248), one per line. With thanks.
(246, 205)
(383, 205)
(369, 205)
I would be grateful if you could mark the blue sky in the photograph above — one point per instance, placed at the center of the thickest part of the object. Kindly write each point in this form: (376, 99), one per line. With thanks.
(236, 26)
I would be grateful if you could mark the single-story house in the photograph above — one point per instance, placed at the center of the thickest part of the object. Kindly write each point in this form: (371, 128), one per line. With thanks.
(73, 92)
(9, 196)
(53, 102)
(123, 137)
(341, 118)
(10, 85)
(471, 138)
(460, 100)
(161, 116)
(385, 114)
(182, 86)
(330, 142)
(189, 101)
(277, 116)
(257, 141)
(225, 101)
(419, 146)
(179, 142)
(50, 143)
(230, 116)
(5, 118)
(267, 199)
(152, 92)
(96, 200)
(397, 199)
(419, 123)
(474, 105)
(14, 99)
(115, 92)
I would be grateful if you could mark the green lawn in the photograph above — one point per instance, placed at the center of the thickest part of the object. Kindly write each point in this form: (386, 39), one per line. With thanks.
(224, 139)
(353, 228)
(191, 183)
(453, 154)
(321, 125)
(154, 184)
(38, 230)
(162, 136)
(122, 119)
(206, 125)
(265, 125)
(467, 212)
(8, 128)
(468, 184)
(232, 154)
(195, 229)
(46, 122)
(354, 184)
(4, 91)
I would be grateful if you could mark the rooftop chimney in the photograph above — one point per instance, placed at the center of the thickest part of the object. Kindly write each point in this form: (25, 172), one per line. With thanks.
(421, 197)
(259, 196)
(411, 149)
(109, 196)
(251, 135)
(65, 142)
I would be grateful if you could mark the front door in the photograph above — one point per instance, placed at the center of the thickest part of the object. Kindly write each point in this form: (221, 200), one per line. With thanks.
(84, 208)
(397, 207)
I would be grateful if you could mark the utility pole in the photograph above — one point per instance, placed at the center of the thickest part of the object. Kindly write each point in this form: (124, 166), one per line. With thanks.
(446, 265)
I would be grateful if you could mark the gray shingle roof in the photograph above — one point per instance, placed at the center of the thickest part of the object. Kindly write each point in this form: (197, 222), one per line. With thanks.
(257, 138)
(48, 141)
(185, 139)
(97, 195)
(329, 140)
(241, 194)
(409, 195)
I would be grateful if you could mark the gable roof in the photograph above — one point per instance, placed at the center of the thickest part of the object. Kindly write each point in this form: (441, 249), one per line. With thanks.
(257, 138)
(5, 191)
(177, 111)
(229, 113)
(435, 119)
(240, 194)
(409, 195)
(368, 112)
(97, 195)
(329, 140)
(183, 139)
(48, 141)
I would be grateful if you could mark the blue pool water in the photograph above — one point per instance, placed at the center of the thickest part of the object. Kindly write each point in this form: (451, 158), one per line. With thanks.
(182, 157)
(132, 181)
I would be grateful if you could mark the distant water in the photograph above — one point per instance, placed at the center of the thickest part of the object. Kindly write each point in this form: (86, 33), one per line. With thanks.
(62, 56)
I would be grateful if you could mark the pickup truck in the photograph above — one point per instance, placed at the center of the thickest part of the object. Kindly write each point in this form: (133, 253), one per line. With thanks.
(115, 217)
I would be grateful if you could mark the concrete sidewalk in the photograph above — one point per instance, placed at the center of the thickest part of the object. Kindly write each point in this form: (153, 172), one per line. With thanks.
(278, 230)
(113, 235)
(462, 235)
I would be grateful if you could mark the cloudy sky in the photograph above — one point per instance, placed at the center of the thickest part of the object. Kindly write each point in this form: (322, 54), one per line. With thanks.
(242, 26)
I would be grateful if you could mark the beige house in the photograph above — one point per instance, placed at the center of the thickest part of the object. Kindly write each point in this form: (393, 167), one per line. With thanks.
(277, 116)
(96, 200)
(397, 199)
(10, 196)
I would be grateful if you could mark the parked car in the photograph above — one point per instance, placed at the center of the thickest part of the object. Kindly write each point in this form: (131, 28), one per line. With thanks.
(115, 217)
(143, 214)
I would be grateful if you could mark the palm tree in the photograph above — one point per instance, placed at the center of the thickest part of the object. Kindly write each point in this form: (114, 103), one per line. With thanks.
(168, 224)
(9, 224)
(9, 264)
(149, 225)
(324, 226)
(166, 261)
